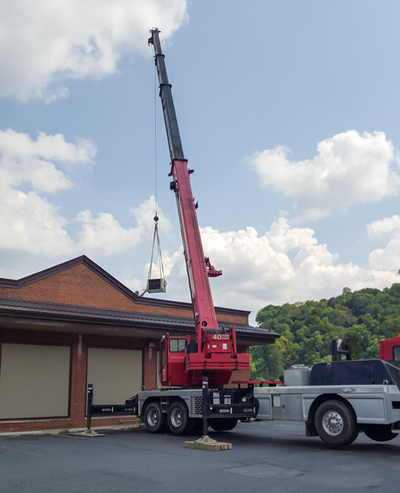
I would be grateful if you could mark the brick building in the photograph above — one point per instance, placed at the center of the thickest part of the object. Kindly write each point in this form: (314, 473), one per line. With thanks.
(75, 324)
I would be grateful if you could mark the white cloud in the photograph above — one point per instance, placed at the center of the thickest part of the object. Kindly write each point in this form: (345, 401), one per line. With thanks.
(44, 42)
(57, 93)
(284, 265)
(29, 222)
(23, 160)
(172, 263)
(145, 213)
(348, 168)
(387, 258)
(384, 226)
(105, 236)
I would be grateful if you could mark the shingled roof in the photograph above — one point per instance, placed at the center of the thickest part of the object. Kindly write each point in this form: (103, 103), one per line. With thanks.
(39, 315)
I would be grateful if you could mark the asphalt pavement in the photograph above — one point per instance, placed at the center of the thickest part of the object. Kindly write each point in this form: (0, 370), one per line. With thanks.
(266, 456)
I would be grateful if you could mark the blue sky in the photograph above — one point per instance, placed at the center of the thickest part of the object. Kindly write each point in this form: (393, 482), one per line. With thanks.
(289, 114)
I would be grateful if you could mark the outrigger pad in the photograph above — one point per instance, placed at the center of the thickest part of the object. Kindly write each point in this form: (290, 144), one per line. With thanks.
(207, 443)
(87, 433)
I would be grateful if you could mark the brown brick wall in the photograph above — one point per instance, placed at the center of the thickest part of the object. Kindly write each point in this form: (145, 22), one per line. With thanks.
(65, 424)
(232, 319)
(78, 382)
(81, 286)
(77, 286)
(8, 293)
(150, 367)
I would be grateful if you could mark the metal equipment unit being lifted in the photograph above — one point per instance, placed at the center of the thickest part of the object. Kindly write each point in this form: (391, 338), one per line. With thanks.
(214, 354)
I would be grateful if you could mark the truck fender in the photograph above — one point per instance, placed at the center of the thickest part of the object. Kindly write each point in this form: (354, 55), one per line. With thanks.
(310, 423)
(145, 404)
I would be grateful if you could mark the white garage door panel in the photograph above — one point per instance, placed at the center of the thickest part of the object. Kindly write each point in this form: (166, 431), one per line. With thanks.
(116, 374)
(34, 381)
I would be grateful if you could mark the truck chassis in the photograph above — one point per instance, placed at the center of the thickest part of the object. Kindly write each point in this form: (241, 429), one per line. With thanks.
(181, 410)
(335, 400)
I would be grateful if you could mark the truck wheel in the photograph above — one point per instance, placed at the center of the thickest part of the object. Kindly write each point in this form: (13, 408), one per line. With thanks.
(178, 418)
(154, 420)
(226, 424)
(336, 423)
(379, 433)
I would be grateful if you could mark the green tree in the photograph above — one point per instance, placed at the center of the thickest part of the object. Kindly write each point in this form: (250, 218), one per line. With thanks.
(308, 328)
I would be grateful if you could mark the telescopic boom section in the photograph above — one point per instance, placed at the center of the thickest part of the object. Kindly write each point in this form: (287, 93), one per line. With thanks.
(208, 356)
(203, 306)
(171, 122)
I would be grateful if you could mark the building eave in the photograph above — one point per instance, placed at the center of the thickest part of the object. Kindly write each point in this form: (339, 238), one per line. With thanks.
(46, 316)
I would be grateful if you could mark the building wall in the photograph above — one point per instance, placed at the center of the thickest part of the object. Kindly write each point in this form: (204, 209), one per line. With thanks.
(80, 285)
(78, 377)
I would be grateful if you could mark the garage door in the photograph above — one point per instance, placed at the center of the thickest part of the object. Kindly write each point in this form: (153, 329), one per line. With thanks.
(116, 374)
(34, 381)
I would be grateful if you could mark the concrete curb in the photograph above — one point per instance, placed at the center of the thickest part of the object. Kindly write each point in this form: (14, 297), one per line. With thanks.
(66, 432)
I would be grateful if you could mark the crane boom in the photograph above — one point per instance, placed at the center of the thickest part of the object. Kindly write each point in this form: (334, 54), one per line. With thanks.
(171, 122)
(216, 347)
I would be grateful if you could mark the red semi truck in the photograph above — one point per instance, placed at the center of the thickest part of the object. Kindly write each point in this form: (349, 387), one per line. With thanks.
(389, 349)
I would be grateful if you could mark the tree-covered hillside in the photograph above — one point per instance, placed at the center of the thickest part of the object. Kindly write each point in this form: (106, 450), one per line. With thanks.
(307, 329)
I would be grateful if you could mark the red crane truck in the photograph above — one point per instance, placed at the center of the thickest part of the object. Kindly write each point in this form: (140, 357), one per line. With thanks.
(213, 354)
(335, 400)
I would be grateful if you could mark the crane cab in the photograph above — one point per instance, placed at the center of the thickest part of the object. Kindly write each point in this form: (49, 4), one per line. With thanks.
(172, 361)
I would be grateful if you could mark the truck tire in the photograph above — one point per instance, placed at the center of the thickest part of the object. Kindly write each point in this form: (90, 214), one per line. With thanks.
(154, 420)
(223, 424)
(379, 433)
(336, 423)
(178, 418)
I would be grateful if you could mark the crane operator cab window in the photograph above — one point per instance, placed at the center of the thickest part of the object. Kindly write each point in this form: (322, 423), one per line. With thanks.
(177, 345)
(173, 356)
(396, 353)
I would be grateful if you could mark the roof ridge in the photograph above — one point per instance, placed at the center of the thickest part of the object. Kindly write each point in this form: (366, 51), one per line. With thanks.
(90, 264)
(43, 274)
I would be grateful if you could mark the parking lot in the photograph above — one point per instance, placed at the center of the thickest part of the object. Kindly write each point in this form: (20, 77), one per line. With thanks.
(265, 457)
